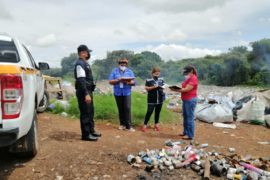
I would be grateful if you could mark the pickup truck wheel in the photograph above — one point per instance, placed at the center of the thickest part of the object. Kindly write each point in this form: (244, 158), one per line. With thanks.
(31, 139)
(27, 146)
(44, 103)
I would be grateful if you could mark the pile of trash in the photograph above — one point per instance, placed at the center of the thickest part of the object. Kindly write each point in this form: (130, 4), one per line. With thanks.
(215, 109)
(173, 156)
(253, 108)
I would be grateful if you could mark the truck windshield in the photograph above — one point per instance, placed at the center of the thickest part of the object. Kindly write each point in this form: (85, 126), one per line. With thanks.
(8, 52)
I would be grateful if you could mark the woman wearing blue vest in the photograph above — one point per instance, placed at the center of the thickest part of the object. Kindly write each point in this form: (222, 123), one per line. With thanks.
(122, 79)
(155, 98)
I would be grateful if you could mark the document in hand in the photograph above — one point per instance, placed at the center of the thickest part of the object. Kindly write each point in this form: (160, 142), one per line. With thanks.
(174, 87)
(127, 79)
(161, 87)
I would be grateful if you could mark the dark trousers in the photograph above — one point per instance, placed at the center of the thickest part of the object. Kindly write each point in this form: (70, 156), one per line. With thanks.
(124, 110)
(86, 114)
(150, 109)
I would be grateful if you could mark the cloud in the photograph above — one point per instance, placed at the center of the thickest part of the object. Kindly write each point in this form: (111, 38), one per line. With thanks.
(145, 31)
(4, 14)
(215, 20)
(176, 52)
(133, 24)
(264, 20)
(177, 6)
(46, 41)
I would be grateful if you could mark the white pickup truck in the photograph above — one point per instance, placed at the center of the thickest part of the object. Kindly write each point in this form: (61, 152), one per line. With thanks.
(21, 92)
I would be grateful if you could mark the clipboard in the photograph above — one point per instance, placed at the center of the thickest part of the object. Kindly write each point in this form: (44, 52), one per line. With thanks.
(127, 79)
(174, 87)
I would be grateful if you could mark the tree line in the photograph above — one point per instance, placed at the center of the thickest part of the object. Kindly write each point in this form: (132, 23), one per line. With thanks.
(238, 66)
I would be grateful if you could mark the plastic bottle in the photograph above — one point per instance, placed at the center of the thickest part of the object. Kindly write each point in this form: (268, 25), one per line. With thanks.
(147, 160)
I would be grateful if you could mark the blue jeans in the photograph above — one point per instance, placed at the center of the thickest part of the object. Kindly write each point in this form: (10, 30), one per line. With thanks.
(189, 117)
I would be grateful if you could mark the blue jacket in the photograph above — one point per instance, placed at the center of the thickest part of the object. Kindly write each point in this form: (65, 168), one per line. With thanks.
(121, 89)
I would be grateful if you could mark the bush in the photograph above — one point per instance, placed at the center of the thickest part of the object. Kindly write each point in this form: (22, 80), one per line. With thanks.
(73, 108)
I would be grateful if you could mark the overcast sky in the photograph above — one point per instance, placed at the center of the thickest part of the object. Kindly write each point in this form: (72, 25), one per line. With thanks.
(174, 29)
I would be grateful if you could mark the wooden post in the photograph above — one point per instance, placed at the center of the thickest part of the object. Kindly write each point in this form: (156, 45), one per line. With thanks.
(206, 175)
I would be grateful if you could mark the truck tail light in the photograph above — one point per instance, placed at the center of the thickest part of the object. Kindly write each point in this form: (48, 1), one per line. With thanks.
(11, 96)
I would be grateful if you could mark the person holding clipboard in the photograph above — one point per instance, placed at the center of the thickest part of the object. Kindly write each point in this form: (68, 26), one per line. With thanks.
(122, 79)
(155, 97)
(189, 97)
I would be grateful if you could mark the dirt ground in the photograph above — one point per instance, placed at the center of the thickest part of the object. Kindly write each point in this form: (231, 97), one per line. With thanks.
(62, 155)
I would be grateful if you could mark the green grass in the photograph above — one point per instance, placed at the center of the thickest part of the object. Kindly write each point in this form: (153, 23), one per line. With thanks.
(106, 109)
(73, 109)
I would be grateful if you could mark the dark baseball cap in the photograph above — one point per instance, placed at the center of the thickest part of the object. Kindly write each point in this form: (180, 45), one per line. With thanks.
(123, 60)
(187, 70)
(83, 48)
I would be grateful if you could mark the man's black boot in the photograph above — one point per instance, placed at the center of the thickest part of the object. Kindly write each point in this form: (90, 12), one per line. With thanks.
(96, 134)
(90, 137)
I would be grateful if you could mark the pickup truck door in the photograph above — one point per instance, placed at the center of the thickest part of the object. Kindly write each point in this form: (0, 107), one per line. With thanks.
(0, 105)
(39, 79)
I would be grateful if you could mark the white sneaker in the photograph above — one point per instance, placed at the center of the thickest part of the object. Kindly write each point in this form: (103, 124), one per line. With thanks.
(121, 127)
(131, 130)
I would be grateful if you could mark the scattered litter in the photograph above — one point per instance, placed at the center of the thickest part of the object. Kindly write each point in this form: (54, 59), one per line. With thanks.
(204, 145)
(222, 125)
(19, 165)
(171, 144)
(141, 142)
(264, 143)
(64, 114)
(124, 176)
(59, 178)
(106, 176)
(131, 159)
(219, 147)
(231, 150)
(177, 155)
(62, 103)
(267, 120)
(138, 159)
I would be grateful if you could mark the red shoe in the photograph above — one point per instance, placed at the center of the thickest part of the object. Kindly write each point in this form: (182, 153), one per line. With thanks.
(157, 128)
(144, 129)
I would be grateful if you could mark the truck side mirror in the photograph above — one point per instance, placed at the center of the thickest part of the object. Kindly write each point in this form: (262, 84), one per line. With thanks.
(43, 66)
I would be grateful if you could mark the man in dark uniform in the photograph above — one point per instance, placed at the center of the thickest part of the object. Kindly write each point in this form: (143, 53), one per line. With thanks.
(84, 91)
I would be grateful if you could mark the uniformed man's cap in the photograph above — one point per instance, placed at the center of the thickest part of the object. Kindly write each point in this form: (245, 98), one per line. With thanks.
(83, 48)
